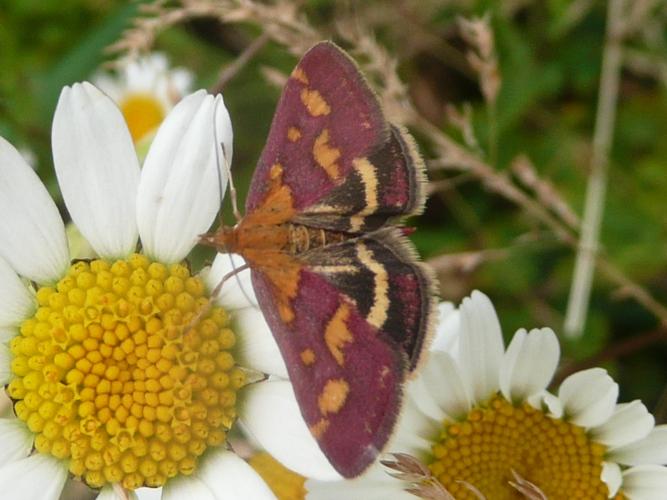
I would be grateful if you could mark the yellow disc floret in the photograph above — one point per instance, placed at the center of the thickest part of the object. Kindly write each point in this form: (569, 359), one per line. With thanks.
(118, 375)
(143, 113)
(496, 441)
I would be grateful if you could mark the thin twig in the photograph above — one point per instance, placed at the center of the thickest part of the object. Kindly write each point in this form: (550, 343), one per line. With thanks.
(620, 349)
(232, 69)
(577, 307)
(454, 157)
(482, 58)
(629, 288)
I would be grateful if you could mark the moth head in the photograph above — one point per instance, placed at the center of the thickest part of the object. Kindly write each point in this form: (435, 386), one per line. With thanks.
(223, 240)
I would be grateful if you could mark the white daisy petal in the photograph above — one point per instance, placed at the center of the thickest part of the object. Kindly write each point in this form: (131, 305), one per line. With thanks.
(447, 388)
(97, 169)
(32, 234)
(181, 183)
(374, 484)
(629, 423)
(257, 348)
(612, 477)
(646, 482)
(107, 85)
(546, 402)
(142, 73)
(182, 487)
(7, 333)
(148, 493)
(650, 450)
(237, 291)
(180, 81)
(37, 477)
(420, 392)
(529, 363)
(16, 440)
(414, 430)
(16, 302)
(231, 478)
(589, 397)
(108, 493)
(448, 331)
(270, 412)
(481, 345)
(5, 364)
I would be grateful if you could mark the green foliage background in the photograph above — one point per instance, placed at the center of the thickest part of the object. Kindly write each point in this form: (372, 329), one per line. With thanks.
(549, 65)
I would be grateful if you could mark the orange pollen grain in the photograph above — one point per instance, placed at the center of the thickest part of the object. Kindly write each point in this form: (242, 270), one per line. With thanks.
(499, 439)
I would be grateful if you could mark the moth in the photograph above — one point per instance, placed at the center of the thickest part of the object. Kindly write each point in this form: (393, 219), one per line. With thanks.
(338, 282)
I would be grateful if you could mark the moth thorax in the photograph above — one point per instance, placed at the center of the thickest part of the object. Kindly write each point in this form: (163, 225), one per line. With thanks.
(303, 238)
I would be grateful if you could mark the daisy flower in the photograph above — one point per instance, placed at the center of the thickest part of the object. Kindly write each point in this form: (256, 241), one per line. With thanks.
(479, 423)
(115, 380)
(145, 89)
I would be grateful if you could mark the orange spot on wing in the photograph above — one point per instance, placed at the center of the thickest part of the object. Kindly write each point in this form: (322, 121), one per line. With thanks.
(326, 156)
(300, 75)
(307, 357)
(319, 428)
(315, 103)
(333, 396)
(276, 172)
(337, 334)
(293, 134)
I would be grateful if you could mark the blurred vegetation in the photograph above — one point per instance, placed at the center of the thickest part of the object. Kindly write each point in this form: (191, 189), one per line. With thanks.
(549, 57)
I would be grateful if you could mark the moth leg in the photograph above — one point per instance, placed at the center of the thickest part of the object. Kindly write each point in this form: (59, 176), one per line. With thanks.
(209, 303)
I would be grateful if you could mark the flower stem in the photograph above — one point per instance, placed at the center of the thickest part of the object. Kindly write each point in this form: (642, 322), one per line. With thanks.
(575, 317)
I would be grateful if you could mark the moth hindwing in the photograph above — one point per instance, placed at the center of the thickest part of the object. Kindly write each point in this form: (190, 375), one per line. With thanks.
(350, 307)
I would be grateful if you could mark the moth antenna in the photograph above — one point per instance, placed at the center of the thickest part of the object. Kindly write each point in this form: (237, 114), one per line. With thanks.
(224, 163)
(232, 188)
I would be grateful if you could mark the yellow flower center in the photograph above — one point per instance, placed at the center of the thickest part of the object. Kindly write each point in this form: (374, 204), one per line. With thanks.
(285, 484)
(493, 441)
(108, 379)
(143, 113)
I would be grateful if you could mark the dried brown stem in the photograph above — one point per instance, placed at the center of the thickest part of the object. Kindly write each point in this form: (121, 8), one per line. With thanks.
(232, 69)
(421, 481)
(615, 351)
(580, 291)
(452, 156)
